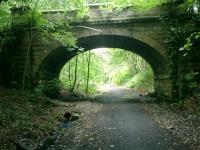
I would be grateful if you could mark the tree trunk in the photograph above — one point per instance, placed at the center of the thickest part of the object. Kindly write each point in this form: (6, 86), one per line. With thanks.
(28, 55)
(88, 72)
(3, 41)
(75, 74)
(69, 75)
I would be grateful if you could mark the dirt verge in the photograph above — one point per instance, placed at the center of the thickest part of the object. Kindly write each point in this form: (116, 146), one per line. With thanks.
(184, 125)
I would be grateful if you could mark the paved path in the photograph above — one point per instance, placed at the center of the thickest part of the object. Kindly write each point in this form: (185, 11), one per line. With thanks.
(116, 126)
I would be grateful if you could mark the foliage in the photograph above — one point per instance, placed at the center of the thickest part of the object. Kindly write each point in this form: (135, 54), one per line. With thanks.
(142, 81)
(134, 62)
(66, 37)
(191, 6)
(27, 14)
(81, 72)
(183, 32)
(66, 5)
(139, 4)
(183, 44)
(192, 42)
(192, 81)
(180, 28)
(144, 4)
(107, 66)
(121, 75)
(22, 14)
(5, 19)
(50, 89)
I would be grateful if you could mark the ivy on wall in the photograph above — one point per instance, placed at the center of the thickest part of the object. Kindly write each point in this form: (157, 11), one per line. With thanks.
(183, 21)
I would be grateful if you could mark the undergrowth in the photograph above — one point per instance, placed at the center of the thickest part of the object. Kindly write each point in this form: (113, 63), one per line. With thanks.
(23, 114)
(143, 81)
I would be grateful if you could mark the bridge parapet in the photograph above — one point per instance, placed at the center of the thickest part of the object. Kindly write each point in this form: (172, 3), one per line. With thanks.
(96, 14)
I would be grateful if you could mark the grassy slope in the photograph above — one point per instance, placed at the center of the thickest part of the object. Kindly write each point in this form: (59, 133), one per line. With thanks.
(143, 81)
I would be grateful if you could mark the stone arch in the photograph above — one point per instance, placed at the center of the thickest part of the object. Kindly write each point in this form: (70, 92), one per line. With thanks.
(54, 62)
(145, 34)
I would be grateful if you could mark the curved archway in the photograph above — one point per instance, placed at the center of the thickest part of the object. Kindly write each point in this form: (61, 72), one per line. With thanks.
(55, 61)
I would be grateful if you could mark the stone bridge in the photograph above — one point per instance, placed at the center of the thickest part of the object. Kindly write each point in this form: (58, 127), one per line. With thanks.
(142, 33)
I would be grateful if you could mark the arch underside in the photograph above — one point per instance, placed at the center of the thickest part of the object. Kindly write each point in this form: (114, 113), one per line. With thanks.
(53, 64)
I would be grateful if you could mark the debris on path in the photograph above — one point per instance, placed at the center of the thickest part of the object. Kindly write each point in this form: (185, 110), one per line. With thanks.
(114, 126)
(184, 125)
(26, 144)
(29, 121)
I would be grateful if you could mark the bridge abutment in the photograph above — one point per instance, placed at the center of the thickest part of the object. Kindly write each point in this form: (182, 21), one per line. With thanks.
(163, 86)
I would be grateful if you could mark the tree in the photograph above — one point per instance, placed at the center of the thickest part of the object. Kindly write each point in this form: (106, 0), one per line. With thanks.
(28, 55)
(69, 75)
(104, 66)
(88, 71)
(75, 74)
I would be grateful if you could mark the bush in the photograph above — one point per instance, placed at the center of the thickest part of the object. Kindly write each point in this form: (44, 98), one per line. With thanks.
(122, 76)
(50, 88)
(142, 81)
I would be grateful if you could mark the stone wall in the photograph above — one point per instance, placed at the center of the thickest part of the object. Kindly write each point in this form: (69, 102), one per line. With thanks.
(162, 85)
(188, 64)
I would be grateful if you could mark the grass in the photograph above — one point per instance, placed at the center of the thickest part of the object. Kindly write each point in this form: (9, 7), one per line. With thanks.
(143, 81)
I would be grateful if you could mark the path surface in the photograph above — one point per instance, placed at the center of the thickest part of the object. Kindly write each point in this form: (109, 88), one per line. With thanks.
(110, 125)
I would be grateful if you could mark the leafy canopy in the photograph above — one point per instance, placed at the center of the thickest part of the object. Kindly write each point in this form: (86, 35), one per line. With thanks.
(141, 4)
(43, 5)
(108, 66)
